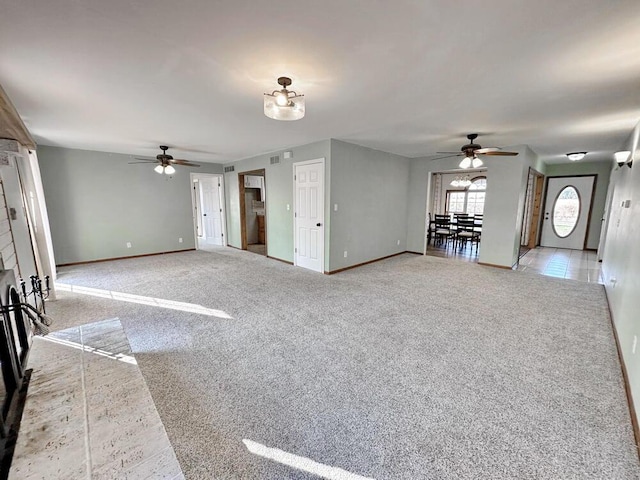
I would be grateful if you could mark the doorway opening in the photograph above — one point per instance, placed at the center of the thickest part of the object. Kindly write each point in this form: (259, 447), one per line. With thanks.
(253, 224)
(208, 210)
(455, 214)
(532, 208)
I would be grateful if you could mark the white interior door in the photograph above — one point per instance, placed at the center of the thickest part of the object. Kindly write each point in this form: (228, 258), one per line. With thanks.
(209, 209)
(566, 215)
(309, 215)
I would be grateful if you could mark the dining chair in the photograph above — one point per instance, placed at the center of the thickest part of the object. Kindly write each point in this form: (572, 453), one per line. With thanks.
(466, 232)
(443, 230)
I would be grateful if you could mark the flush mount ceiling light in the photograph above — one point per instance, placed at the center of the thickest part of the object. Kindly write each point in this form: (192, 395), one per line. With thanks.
(576, 156)
(623, 157)
(284, 104)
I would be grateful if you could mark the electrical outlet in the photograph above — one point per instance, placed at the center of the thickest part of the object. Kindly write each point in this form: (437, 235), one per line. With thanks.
(180, 240)
(345, 254)
(288, 207)
(398, 242)
(128, 244)
(335, 207)
(635, 344)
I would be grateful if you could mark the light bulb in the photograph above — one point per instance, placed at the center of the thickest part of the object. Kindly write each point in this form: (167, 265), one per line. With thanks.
(455, 182)
(282, 99)
(169, 170)
(466, 162)
(477, 162)
(159, 169)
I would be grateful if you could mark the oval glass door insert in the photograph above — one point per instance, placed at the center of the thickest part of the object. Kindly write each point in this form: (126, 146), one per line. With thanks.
(566, 211)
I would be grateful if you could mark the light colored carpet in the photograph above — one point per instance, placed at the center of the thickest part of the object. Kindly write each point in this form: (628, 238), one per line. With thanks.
(413, 367)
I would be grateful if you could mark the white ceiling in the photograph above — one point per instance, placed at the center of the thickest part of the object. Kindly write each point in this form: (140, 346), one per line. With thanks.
(410, 77)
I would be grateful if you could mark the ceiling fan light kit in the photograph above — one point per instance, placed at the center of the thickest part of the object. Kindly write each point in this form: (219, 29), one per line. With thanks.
(284, 104)
(576, 156)
(465, 163)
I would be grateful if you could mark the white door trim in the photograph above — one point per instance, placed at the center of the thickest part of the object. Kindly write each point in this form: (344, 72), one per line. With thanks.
(295, 207)
(223, 214)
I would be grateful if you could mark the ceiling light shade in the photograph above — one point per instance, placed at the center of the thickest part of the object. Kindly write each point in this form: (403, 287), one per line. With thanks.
(476, 162)
(465, 182)
(575, 156)
(455, 182)
(623, 157)
(169, 170)
(284, 104)
(465, 163)
(159, 169)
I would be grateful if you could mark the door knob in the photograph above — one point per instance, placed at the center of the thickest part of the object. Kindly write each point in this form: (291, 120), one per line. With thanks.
(318, 224)
(204, 214)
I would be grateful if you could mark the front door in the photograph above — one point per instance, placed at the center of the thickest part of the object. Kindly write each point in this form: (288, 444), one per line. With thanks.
(567, 212)
(210, 189)
(309, 215)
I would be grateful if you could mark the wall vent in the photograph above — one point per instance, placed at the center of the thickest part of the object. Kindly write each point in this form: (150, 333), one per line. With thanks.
(229, 169)
(275, 159)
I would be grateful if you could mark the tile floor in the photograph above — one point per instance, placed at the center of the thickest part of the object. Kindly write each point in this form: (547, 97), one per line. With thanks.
(88, 413)
(579, 265)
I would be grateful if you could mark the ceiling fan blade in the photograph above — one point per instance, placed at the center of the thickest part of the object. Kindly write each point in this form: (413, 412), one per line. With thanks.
(144, 161)
(487, 150)
(447, 156)
(451, 152)
(186, 163)
(505, 154)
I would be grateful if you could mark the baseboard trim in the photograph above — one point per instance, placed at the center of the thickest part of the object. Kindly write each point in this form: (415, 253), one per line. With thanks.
(365, 263)
(413, 253)
(495, 266)
(625, 378)
(123, 258)
(231, 246)
(280, 260)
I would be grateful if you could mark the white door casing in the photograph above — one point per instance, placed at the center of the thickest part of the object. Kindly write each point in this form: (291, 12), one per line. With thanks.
(576, 239)
(209, 209)
(308, 181)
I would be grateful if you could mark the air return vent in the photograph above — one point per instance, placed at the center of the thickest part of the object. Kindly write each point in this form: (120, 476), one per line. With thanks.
(229, 169)
(275, 159)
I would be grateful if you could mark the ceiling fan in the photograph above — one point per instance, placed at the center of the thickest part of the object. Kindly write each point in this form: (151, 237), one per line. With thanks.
(165, 162)
(471, 152)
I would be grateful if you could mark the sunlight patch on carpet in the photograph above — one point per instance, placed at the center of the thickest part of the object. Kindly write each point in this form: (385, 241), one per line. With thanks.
(301, 463)
(144, 300)
(121, 357)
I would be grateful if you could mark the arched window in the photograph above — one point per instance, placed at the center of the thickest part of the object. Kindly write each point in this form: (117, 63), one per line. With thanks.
(475, 196)
(470, 200)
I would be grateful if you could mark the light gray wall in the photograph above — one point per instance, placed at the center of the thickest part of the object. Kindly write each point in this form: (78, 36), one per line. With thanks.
(279, 194)
(97, 203)
(504, 204)
(603, 170)
(370, 188)
(621, 261)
